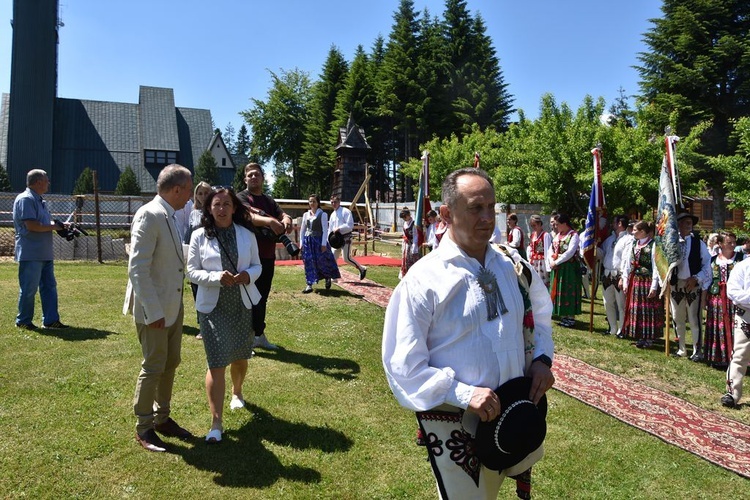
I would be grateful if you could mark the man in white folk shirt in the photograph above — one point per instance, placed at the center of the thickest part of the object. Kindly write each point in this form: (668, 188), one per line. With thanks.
(693, 275)
(738, 291)
(341, 221)
(612, 253)
(454, 331)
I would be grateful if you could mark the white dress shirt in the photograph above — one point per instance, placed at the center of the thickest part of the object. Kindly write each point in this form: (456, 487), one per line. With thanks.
(341, 220)
(622, 251)
(438, 345)
(738, 288)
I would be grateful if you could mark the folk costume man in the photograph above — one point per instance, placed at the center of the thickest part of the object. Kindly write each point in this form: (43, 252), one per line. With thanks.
(156, 272)
(693, 275)
(613, 250)
(455, 330)
(342, 222)
(738, 291)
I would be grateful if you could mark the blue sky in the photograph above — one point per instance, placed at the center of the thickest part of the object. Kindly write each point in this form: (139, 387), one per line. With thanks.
(216, 55)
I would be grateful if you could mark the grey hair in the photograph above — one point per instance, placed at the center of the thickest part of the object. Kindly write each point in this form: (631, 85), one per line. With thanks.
(450, 189)
(171, 176)
(536, 219)
(34, 176)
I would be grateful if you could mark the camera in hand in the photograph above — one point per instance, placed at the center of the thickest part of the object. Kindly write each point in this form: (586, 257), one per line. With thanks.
(70, 232)
(290, 246)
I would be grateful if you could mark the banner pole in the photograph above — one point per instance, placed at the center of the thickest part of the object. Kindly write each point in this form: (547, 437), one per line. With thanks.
(666, 320)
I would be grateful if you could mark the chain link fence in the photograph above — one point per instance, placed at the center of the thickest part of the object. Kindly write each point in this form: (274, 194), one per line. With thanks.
(106, 219)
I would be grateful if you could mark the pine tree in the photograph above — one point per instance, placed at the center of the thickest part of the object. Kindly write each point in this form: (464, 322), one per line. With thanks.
(228, 137)
(318, 157)
(85, 182)
(242, 145)
(206, 169)
(478, 92)
(5, 186)
(128, 185)
(698, 70)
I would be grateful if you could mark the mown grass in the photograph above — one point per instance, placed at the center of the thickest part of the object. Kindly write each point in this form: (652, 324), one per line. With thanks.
(322, 422)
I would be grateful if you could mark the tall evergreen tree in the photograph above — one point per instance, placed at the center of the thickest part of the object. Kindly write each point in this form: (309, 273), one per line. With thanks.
(5, 186)
(206, 169)
(478, 92)
(433, 71)
(228, 137)
(242, 146)
(85, 182)
(278, 123)
(399, 91)
(698, 69)
(127, 184)
(318, 158)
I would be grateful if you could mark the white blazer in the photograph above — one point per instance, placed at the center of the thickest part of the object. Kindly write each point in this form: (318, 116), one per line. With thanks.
(204, 267)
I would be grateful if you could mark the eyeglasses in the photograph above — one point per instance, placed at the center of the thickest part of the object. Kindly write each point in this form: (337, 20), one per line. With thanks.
(226, 188)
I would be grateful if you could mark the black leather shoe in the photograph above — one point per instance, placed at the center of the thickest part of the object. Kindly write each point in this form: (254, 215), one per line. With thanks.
(362, 274)
(728, 401)
(151, 441)
(172, 429)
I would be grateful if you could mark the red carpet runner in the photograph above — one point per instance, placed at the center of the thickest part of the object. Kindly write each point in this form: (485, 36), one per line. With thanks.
(715, 438)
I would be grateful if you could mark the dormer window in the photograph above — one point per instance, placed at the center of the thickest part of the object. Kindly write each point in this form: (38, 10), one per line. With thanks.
(159, 159)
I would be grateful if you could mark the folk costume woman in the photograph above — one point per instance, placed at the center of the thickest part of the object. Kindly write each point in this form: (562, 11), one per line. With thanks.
(565, 275)
(223, 261)
(538, 250)
(644, 310)
(316, 255)
(719, 338)
(515, 237)
(409, 251)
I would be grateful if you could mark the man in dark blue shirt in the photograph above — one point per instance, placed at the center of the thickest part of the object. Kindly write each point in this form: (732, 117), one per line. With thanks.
(33, 252)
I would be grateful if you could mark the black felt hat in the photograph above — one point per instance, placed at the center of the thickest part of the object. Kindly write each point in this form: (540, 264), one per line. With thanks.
(684, 213)
(336, 239)
(518, 430)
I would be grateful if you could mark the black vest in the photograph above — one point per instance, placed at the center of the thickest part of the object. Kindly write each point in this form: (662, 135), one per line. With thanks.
(694, 257)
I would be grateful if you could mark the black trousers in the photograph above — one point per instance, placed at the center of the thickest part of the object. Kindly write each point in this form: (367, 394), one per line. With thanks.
(264, 287)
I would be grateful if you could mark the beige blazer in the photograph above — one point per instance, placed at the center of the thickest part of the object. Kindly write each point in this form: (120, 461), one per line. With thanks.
(156, 269)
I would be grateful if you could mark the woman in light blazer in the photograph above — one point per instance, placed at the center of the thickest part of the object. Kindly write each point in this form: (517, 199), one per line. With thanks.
(223, 261)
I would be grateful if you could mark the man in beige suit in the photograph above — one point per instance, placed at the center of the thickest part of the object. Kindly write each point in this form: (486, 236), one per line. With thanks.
(156, 274)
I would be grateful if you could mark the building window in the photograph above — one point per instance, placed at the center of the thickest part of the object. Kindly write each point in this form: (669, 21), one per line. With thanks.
(729, 215)
(707, 210)
(223, 162)
(159, 159)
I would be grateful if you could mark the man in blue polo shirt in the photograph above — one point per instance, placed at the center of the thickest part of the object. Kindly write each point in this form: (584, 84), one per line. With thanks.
(34, 226)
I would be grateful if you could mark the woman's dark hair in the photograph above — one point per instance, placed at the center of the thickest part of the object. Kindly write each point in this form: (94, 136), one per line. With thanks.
(645, 225)
(565, 219)
(207, 220)
(315, 197)
(404, 212)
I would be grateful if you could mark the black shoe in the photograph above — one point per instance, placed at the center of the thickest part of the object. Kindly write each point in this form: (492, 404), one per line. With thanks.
(26, 326)
(640, 344)
(362, 273)
(172, 429)
(328, 283)
(57, 325)
(728, 401)
(151, 441)
(307, 289)
(696, 358)
(620, 336)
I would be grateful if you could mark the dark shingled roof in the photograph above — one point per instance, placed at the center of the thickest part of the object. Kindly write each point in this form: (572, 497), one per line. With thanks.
(110, 136)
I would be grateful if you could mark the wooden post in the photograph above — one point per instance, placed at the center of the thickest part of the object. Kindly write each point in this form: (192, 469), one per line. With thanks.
(666, 317)
(591, 294)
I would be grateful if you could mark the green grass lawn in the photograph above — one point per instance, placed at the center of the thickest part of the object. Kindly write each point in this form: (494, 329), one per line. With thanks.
(322, 422)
